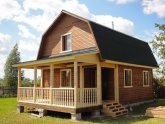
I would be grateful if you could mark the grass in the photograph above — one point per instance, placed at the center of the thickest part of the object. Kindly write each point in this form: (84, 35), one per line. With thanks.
(8, 115)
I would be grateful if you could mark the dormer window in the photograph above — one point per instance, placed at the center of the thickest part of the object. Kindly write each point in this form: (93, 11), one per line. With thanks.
(66, 42)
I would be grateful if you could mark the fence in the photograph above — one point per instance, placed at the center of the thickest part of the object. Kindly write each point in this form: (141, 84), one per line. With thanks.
(8, 92)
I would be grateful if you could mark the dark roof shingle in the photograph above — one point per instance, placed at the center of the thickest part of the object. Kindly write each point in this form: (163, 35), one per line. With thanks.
(120, 47)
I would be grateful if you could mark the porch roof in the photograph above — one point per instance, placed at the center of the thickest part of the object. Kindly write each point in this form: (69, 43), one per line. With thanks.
(62, 57)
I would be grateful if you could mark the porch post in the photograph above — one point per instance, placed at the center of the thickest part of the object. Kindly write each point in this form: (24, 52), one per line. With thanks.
(81, 85)
(99, 89)
(51, 82)
(75, 83)
(35, 81)
(116, 86)
(19, 77)
(41, 83)
(19, 81)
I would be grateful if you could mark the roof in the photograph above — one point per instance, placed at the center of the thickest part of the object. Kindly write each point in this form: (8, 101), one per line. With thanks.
(114, 45)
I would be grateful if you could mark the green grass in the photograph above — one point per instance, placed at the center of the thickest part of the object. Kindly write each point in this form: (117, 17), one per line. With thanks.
(9, 115)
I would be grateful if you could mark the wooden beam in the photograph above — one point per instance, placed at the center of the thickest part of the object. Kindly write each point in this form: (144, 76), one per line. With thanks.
(51, 82)
(92, 58)
(99, 88)
(116, 86)
(107, 65)
(81, 84)
(35, 81)
(41, 83)
(19, 77)
(75, 83)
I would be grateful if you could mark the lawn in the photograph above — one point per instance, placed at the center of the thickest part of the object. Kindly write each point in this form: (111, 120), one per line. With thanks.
(9, 115)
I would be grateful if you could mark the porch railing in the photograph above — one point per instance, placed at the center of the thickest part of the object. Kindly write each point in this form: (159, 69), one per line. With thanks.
(58, 96)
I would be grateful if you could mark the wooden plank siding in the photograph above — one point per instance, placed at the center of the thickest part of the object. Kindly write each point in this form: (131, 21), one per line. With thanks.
(46, 77)
(137, 93)
(81, 36)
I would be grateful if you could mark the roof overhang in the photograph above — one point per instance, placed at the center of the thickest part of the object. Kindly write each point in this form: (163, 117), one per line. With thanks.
(129, 64)
(54, 60)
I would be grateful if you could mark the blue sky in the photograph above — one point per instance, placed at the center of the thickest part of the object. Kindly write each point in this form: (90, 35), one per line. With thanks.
(24, 21)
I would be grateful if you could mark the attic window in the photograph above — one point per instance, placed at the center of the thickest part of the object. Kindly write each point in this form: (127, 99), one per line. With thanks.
(66, 42)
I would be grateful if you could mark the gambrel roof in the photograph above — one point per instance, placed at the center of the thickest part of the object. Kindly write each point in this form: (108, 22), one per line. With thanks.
(113, 45)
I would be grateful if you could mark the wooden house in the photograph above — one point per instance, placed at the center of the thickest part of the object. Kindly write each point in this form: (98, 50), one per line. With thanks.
(86, 66)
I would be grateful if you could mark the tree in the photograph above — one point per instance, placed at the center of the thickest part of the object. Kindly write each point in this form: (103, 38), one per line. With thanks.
(10, 77)
(26, 82)
(158, 45)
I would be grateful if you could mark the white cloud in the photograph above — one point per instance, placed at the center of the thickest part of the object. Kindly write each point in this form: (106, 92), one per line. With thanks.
(120, 24)
(26, 45)
(122, 1)
(154, 6)
(24, 32)
(5, 45)
(9, 9)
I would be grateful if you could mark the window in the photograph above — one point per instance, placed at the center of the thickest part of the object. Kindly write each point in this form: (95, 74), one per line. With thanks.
(127, 78)
(65, 77)
(145, 78)
(66, 42)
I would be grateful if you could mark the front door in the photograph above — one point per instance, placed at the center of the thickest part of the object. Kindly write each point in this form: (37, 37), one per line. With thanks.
(107, 84)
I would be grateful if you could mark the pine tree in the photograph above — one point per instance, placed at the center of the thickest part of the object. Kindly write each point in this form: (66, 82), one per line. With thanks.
(10, 77)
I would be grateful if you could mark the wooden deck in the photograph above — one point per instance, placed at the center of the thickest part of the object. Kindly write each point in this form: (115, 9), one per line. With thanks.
(156, 112)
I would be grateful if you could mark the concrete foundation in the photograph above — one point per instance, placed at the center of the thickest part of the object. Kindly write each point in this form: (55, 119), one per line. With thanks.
(76, 116)
(42, 112)
(20, 109)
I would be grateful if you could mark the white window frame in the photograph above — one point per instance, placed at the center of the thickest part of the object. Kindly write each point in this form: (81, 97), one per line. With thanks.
(131, 78)
(143, 79)
(70, 85)
(62, 42)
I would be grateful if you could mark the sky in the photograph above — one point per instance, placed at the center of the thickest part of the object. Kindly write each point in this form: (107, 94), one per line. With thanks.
(24, 21)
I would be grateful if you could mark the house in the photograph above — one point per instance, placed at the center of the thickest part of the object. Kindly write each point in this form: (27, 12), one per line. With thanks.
(86, 66)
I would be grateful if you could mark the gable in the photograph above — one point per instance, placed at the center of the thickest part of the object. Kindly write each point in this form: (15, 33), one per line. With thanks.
(82, 37)
(116, 46)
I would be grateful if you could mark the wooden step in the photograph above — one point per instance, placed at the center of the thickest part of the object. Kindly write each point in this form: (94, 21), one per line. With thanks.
(114, 109)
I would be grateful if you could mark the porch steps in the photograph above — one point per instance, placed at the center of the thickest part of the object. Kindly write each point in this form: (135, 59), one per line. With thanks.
(113, 109)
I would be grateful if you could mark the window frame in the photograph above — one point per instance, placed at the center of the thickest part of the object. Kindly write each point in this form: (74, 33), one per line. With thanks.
(62, 42)
(147, 80)
(70, 83)
(125, 80)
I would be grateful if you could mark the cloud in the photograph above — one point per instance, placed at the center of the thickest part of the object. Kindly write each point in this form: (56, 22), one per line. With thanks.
(5, 45)
(154, 6)
(9, 9)
(24, 32)
(120, 24)
(49, 10)
(122, 1)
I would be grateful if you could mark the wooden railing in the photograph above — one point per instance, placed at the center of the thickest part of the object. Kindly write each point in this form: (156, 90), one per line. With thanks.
(63, 97)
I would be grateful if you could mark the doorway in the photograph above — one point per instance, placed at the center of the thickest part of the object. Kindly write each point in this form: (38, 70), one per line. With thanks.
(107, 84)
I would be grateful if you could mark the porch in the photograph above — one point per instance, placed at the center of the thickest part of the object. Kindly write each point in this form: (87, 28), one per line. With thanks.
(80, 95)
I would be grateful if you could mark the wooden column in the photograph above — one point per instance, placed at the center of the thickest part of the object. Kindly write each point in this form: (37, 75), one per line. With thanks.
(99, 88)
(41, 83)
(19, 77)
(19, 82)
(35, 81)
(81, 85)
(75, 83)
(51, 82)
(116, 86)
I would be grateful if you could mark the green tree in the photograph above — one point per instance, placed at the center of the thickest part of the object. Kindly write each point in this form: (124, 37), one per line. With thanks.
(10, 77)
(26, 82)
(158, 44)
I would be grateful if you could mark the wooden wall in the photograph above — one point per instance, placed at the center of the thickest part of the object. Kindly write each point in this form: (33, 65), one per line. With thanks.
(46, 77)
(137, 93)
(81, 36)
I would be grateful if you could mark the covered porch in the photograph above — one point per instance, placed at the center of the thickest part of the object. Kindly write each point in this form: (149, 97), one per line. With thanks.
(82, 93)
